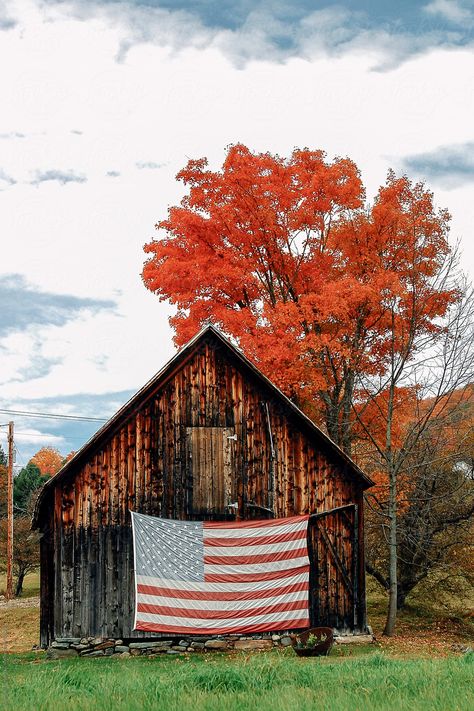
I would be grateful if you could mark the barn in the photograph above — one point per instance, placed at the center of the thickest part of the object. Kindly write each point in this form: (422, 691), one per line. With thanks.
(209, 437)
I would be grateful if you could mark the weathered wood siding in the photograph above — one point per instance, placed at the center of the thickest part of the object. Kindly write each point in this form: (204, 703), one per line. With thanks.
(197, 444)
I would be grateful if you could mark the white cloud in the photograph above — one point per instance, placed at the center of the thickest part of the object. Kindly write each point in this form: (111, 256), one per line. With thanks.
(33, 436)
(455, 12)
(63, 177)
(26, 434)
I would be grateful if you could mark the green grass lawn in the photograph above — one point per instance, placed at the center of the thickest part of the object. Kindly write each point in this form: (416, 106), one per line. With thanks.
(274, 681)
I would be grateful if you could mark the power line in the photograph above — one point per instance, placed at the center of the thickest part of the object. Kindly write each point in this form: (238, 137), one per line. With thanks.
(51, 436)
(50, 415)
(41, 435)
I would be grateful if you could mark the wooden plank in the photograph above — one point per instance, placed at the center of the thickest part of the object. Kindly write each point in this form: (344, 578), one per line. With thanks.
(227, 462)
(336, 559)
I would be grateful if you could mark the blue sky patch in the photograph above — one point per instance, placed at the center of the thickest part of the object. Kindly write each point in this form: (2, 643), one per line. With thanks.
(449, 166)
(24, 305)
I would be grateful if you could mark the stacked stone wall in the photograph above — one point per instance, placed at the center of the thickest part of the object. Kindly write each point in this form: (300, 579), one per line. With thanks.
(101, 647)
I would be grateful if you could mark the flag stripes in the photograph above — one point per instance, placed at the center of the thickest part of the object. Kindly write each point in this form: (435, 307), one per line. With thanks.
(248, 576)
(259, 623)
(153, 591)
(226, 615)
(216, 603)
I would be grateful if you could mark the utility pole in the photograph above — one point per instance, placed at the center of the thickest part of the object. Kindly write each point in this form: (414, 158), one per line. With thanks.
(9, 590)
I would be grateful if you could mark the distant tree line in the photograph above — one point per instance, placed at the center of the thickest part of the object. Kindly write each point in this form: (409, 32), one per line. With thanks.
(26, 486)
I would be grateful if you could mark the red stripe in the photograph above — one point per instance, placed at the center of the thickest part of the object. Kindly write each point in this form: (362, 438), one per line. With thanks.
(255, 524)
(211, 542)
(221, 614)
(295, 623)
(203, 595)
(254, 559)
(253, 577)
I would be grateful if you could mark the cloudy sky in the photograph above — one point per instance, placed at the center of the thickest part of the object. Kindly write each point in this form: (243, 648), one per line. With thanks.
(103, 102)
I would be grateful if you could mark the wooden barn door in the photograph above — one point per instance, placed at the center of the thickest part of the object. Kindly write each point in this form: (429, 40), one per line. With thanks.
(333, 542)
(211, 453)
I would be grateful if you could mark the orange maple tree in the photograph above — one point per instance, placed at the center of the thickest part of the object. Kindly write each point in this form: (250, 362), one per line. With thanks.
(286, 256)
(48, 460)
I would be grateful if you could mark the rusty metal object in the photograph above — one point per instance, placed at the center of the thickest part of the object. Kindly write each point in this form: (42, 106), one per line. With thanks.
(321, 648)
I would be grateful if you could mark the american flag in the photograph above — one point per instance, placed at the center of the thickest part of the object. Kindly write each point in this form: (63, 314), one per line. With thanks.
(212, 578)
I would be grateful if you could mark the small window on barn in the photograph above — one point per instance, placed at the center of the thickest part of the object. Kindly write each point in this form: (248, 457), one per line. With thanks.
(211, 451)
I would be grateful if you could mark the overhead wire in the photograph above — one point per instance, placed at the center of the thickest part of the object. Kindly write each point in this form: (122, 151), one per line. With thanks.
(53, 416)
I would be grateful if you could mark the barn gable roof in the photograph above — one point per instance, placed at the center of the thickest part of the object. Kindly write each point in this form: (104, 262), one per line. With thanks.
(161, 376)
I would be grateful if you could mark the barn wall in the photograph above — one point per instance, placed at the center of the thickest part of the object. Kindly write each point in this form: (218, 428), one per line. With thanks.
(148, 464)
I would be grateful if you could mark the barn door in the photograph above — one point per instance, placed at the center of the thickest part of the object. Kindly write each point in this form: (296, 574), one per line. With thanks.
(334, 574)
(211, 454)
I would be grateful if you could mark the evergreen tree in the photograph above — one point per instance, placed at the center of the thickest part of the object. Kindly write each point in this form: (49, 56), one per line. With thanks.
(25, 484)
(3, 457)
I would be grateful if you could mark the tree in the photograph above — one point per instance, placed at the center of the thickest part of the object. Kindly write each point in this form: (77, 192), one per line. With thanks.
(28, 481)
(68, 457)
(48, 460)
(351, 308)
(44, 464)
(435, 505)
(286, 257)
(25, 549)
(408, 415)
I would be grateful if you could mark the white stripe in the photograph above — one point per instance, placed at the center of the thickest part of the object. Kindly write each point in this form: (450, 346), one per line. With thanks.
(255, 532)
(298, 618)
(228, 605)
(264, 549)
(298, 577)
(271, 567)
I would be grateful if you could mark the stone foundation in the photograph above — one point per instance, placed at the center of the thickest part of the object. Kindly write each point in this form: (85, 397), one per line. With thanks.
(100, 647)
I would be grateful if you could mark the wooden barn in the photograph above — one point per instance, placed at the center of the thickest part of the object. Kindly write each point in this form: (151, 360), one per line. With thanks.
(209, 437)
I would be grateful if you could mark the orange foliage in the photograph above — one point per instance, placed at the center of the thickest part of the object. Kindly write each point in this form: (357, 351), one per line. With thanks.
(449, 434)
(48, 460)
(285, 256)
(69, 456)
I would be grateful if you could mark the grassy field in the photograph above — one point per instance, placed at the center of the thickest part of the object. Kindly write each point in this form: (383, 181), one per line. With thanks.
(31, 585)
(274, 681)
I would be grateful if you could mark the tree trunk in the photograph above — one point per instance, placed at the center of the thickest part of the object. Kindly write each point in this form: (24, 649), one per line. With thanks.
(401, 596)
(393, 589)
(392, 512)
(346, 425)
(19, 583)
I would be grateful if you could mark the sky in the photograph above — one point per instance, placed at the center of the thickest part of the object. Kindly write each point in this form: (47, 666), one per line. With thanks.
(102, 103)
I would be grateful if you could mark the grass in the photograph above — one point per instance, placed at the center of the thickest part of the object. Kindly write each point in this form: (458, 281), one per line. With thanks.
(19, 625)
(31, 584)
(273, 681)
(19, 629)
